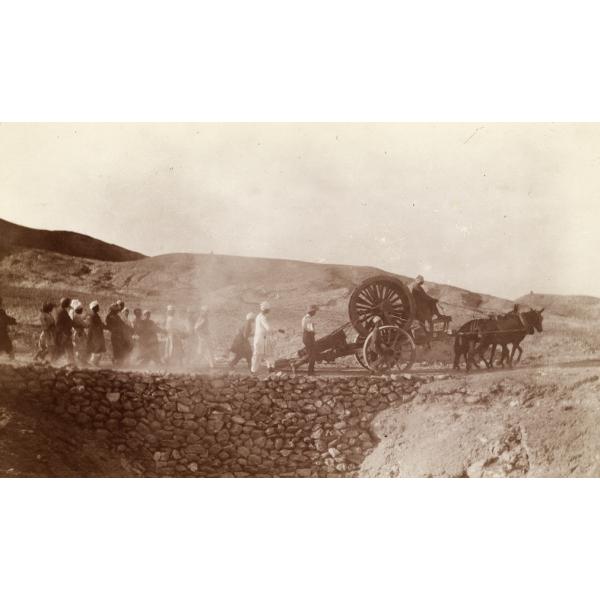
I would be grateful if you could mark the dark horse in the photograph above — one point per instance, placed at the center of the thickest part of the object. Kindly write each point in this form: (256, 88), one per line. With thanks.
(476, 336)
(466, 340)
(512, 329)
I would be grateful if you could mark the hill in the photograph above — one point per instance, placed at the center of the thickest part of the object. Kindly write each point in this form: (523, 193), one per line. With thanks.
(63, 242)
(232, 286)
(580, 307)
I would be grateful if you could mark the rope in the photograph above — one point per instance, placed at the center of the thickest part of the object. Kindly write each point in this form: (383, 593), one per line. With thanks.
(495, 331)
(476, 310)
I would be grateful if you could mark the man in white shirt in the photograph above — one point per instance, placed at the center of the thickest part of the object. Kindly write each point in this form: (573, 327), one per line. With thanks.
(263, 340)
(308, 336)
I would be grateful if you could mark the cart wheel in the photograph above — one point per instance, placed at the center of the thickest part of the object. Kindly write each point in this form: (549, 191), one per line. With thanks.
(389, 347)
(382, 296)
(359, 354)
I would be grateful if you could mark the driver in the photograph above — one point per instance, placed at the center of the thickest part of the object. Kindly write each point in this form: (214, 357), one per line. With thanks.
(422, 297)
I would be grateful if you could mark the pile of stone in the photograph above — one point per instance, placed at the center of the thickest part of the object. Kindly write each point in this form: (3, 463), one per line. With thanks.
(168, 424)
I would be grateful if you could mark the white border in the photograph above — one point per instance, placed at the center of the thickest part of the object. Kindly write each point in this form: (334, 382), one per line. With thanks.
(308, 61)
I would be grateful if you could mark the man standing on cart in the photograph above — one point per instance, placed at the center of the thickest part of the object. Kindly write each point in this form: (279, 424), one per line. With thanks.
(308, 337)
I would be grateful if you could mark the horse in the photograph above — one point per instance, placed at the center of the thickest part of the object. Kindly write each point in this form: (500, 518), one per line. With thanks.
(510, 329)
(466, 339)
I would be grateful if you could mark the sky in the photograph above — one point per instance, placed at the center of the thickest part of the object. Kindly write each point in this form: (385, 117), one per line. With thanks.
(496, 208)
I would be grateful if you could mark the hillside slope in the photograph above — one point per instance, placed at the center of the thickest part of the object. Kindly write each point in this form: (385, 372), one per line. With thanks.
(232, 286)
(580, 307)
(63, 242)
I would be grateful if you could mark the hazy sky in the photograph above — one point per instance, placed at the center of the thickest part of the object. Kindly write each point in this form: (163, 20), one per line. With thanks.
(502, 209)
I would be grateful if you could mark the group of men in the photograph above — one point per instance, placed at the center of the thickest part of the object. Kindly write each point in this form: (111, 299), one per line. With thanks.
(262, 350)
(71, 332)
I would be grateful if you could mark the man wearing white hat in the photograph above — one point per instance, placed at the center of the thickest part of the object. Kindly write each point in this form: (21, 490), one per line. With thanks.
(79, 334)
(263, 340)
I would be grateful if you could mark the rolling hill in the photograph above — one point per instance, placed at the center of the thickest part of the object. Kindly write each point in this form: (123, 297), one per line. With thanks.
(232, 286)
(63, 242)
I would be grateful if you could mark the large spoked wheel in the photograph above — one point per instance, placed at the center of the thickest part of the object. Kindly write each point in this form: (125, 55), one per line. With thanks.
(387, 348)
(384, 297)
(359, 354)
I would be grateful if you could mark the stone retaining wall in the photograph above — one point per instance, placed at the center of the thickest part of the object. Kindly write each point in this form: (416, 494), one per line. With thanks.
(168, 424)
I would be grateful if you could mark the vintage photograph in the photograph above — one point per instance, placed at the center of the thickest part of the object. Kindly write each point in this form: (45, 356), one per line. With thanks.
(299, 300)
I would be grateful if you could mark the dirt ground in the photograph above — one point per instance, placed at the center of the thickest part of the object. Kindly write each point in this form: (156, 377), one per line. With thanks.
(534, 422)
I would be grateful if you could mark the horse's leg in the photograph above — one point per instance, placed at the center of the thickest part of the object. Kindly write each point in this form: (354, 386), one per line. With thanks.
(458, 351)
(480, 351)
(468, 355)
(492, 353)
(512, 355)
(503, 355)
(429, 334)
(520, 350)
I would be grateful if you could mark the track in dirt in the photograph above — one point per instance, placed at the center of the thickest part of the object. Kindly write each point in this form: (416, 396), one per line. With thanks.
(475, 372)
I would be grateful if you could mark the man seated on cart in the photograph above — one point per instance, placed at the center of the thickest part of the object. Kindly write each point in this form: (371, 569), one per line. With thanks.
(426, 305)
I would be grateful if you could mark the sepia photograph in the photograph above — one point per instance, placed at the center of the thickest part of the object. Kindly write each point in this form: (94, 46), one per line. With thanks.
(299, 300)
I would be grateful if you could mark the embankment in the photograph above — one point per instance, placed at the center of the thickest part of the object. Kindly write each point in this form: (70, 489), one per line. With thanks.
(167, 424)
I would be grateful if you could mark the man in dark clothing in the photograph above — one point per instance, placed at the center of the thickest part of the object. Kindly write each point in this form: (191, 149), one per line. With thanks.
(47, 341)
(308, 337)
(64, 331)
(96, 346)
(422, 297)
(240, 347)
(149, 348)
(118, 335)
(5, 341)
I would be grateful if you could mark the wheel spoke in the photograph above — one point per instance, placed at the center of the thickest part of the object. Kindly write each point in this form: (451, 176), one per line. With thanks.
(361, 304)
(365, 298)
(368, 294)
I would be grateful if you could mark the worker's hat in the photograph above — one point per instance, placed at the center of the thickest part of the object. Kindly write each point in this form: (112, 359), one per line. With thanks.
(312, 307)
(265, 305)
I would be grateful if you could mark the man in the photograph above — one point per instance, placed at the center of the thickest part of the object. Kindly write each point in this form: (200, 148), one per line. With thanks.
(135, 332)
(96, 345)
(263, 340)
(64, 331)
(148, 332)
(308, 337)
(426, 305)
(5, 341)
(175, 333)
(421, 295)
(118, 335)
(127, 331)
(203, 334)
(46, 343)
(80, 337)
(240, 346)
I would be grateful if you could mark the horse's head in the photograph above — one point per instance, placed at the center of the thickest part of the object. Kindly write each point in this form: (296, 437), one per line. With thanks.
(534, 319)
